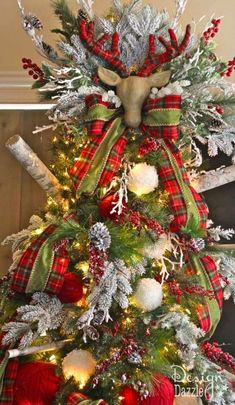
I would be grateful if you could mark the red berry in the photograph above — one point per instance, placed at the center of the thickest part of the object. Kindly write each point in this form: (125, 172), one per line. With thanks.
(230, 69)
(29, 60)
(31, 72)
(212, 35)
(229, 74)
(218, 21)
(216, 30)
(35, 77)
(214, 21)
(25, 66)
(24, 60)
(222, 74)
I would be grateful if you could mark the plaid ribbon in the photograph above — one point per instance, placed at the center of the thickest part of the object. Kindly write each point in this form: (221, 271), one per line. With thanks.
(101, 158)
(8, 373)
(49, 276)
(209, 312)
(77, 398)
(186, 204)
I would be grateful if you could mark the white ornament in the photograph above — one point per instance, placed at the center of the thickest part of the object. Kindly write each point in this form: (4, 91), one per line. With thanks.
(79, 364)
(156, 250)
(142, 179)
(148, 295)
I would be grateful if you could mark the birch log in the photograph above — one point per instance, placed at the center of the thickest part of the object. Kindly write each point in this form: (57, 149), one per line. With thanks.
(213, 179)
(12, 353)
(34, 166)
(187, 400)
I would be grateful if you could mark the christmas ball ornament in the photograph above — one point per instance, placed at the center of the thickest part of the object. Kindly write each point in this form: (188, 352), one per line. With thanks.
(106, 205)
(79, 364)
(72, 288)
(36, 384)
(163, 394)
(156, 250)
(148, 295)
(142, 179)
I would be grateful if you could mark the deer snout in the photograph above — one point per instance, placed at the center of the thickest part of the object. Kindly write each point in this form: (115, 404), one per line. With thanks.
(132, 118)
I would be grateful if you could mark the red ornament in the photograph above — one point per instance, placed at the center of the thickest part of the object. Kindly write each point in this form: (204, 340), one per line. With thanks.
(106, 205)
(72, 289)
(36, 384)
(163, 394)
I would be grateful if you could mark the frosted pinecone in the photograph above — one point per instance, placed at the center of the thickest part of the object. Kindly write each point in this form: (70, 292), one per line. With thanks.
(197, 244)
(134, 358)
(32, 22)
(99, 236)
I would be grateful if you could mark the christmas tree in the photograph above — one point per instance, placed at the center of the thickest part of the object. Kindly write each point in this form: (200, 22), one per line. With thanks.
(116, 289)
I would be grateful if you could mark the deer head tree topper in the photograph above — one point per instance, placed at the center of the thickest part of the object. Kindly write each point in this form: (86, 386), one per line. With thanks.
(133, 90)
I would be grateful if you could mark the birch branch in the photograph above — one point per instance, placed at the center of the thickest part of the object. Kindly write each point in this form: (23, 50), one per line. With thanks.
(34, 166)
(38, 349)
(213, 179)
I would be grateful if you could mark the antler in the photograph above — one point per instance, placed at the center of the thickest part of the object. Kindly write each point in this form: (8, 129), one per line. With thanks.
(95, 47)
(173, 49)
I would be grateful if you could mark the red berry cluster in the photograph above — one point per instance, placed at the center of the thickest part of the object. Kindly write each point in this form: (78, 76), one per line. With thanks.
(147, 146)
(211, 32)
(154, 226)
(175, 290)
(34, 70)
(230, 68)
(216, 354)
(217, 108)
(97, 259)
(135, 219)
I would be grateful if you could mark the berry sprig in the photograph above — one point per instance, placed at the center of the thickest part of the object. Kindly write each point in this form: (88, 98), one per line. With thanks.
(211, 32)
(217, 108)
(34, 70)
(214, 353)
(230, 68)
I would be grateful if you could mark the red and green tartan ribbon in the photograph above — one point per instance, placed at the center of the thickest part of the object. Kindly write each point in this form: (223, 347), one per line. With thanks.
(209, 313)
(41, 267)
(8, 373)
(76, 398)
(101, 159)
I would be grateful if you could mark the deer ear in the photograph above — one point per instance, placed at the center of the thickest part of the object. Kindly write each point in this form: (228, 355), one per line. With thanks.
(160, 79)
(108, 76)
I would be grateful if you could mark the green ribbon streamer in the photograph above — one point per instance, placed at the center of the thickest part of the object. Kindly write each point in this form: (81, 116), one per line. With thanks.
(214, 309)
(162, 117)
(193, 215)
(100, 112)
(43, 265)
(3, 367)
(92, 177)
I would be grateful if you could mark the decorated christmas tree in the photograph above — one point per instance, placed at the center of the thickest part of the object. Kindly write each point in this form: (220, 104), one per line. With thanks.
(116, 289)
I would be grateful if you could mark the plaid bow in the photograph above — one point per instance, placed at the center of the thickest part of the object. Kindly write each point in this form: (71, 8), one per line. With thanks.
(49, 277)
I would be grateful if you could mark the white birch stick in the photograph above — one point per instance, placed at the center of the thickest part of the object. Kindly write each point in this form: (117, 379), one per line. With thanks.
(213, 179)
(34, 166)
(38, 349)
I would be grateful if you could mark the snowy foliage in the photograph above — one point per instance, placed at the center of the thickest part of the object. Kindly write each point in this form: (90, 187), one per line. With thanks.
(43, 314)
(226, 265)
(186, 336)
(218, 233)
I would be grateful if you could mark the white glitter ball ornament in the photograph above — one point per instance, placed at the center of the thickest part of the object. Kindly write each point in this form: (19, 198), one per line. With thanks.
(142, 179)
(79, 364)
(148, 295)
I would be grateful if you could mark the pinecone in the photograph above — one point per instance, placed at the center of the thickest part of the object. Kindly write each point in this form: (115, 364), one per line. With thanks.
(137, 205)
(134, 358)
(32, 22)
(99, 236)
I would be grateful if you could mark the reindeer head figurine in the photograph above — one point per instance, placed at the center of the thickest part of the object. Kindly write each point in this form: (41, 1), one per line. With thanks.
(133, 90)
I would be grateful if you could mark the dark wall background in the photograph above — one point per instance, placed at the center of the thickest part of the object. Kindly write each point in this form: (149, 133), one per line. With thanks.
(221, 203)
